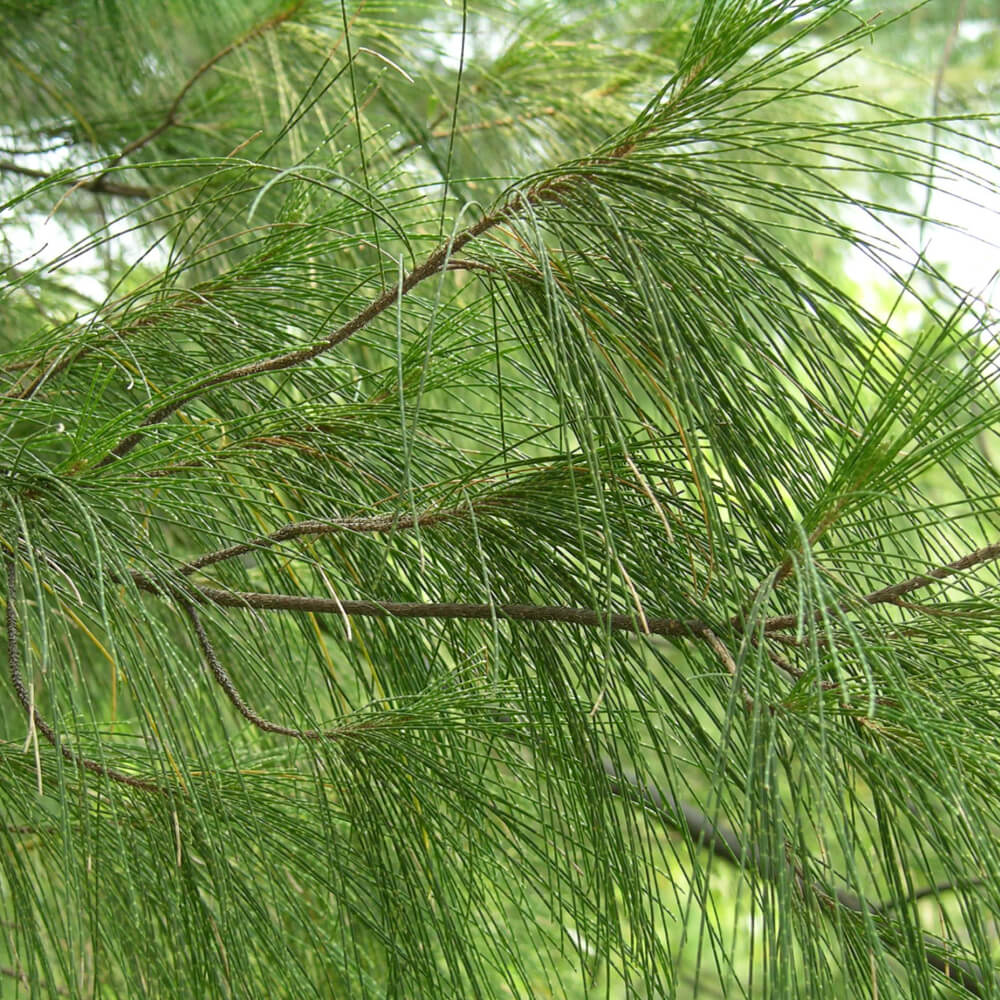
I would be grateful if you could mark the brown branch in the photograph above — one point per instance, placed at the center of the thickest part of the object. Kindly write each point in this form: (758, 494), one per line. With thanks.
(989, 553)
(890, 595)
(252, 600)
(98, 185)
(931, 890)
(225, 682)
(435, 263)
(17, 681)
(671, 627)
(552, 189)
(170, 119)
(505, 122)
(720, 650)
(379, 524)
(23, 977)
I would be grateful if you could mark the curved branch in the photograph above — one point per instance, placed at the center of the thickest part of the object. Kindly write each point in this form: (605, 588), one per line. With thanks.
(434, 264)
(727, 846)
(17, 681)
(170, 119)
(930, 890)
(892, 594)
(225, 682)
(551, 189)
(297, 529)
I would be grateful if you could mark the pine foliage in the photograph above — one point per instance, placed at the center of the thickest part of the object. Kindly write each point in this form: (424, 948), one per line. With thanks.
(463, 534)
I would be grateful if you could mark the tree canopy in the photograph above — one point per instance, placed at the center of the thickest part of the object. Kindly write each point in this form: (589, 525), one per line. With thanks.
(497, 499)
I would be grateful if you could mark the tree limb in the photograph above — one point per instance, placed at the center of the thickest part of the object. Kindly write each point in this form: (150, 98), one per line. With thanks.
(225, 682)
(97, 185)
(297, 529)
(253, 600)
(170, 119)
(890, 595)
(726, 845)
(17, 681)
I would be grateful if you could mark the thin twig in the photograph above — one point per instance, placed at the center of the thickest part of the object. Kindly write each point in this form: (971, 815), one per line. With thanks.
(720, 650)
(17, 681)
(890, 595)
(225, 682)
(97, 185)
(434, 264)
(170, 119)
(726, 845)
(379, 524)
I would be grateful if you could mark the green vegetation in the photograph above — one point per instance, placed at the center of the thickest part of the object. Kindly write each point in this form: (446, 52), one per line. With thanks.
(497, 499)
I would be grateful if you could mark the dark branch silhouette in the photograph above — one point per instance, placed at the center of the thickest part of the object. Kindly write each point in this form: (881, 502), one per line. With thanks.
(891, 595)
(225, 682)
(170, 118)
(727, 846)
(96, 185)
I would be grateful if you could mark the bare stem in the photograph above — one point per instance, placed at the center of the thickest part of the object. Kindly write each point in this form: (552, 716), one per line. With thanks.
(97, 185)
(891, 595)
(252, 600)
(170, 119)
(379, 524)
(727, 846)
(17, 681)
(225, 682)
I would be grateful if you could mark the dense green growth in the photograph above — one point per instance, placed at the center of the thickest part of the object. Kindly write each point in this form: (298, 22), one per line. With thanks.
(493, 504)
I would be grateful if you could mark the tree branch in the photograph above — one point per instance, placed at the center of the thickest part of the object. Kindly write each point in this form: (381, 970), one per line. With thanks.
(435, 263)
(890, 595)
(100, 184)
(552, 189)
(225, 682)
(17, 681)
(252, 600)
(297, 529)
(97, 185)
(485, 612)
(726, 845)
(170, 119)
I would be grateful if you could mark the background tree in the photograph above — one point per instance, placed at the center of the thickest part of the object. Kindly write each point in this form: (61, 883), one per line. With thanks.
(468, 531)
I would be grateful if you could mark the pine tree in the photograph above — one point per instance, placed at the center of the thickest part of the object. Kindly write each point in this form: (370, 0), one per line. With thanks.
(464, 533)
